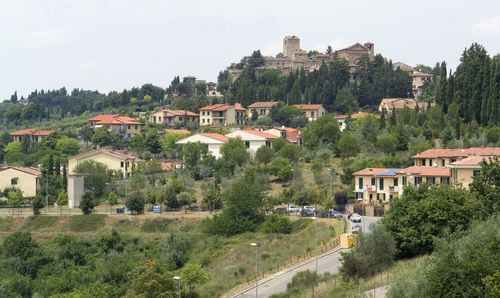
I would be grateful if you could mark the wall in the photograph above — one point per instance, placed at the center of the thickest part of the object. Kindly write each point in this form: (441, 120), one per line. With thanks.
(111, 162)
(75, 190)
(27, 183)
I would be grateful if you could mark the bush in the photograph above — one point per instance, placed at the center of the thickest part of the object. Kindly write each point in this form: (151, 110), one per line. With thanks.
(86, 223)
(135, 202)
(156, 225)
(87, 202)
(37, 203)
(277, 224)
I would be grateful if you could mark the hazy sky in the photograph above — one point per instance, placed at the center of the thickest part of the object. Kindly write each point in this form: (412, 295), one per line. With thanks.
(116, 44)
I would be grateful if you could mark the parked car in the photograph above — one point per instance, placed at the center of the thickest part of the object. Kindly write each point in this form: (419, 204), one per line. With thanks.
(335, 214)
(356, 229)
(293, 209)
(280, 210)
(356, 217)
(308, 211)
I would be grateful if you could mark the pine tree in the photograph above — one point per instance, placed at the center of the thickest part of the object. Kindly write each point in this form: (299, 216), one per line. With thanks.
(382, 121)
(442, 88)
(393, 119)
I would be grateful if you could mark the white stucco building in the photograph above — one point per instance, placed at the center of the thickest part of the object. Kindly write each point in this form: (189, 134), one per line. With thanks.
(253, 139)
(213, 141)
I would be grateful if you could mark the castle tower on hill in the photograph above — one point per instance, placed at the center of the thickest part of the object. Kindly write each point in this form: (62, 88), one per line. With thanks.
(291, 44)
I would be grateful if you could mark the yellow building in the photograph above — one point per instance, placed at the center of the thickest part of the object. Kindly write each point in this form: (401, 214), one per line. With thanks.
(464, 170)
(222, 115)
(376, 185)
(263, 108)
(172, 117)
(444, 157)
(112, 159)
(27, 179)
(416, 175)
(35, 135)
(312, 111)
(126, 127)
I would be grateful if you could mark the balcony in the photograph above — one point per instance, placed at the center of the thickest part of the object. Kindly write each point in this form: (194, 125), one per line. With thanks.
(372, 188)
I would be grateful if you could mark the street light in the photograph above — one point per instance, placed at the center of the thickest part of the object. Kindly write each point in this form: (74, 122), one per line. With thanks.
(256, 266)
(179, 279)
(316, 219)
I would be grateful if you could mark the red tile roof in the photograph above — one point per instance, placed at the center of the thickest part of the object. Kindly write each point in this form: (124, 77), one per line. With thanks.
(427, 171)
(29, 170)
(217, 107)
(260, 134)
(291, 134)
(113, 119)
(356, 115)
(215, 136)
(309, 107)
(370, 171)
(171, 113)
(43, 133)
(263, 104)
(120, 155)
(436, 153)
(472, 161)
(23, 132)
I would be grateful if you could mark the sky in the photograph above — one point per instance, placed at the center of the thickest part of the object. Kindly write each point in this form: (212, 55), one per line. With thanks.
(108, 45)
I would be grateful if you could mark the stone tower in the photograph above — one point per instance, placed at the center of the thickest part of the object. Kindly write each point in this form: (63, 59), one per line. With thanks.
(290, 45)
(370, 46)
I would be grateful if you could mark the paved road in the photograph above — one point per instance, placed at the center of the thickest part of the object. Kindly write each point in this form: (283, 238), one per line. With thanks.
(328, 262)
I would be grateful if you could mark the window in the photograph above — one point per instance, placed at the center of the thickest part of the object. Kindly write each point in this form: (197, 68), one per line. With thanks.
(208, 120)
(202, 120)
(378, 197)
(442, 162)
(312, 114)
(423, 162)
(128, 126)
(262, 112)
(383, 197)
(396, 181)
(107, 126)
(373, 181)
(203, 113)
(476, 173)
(430, 162)
(360, 183)
(136, 127)
(121, 164)
(13, 181)
(381, 184)
(360, 195)
(268, 143)
(404, 180)
(371, 196)
(247, 144)
(180, 118)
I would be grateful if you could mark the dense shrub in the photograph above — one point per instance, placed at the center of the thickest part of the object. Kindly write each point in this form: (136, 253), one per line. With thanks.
(277, 224)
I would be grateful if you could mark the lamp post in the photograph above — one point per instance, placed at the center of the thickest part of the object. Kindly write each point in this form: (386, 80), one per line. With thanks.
(316, 219)
(179, 279)
(256, 266)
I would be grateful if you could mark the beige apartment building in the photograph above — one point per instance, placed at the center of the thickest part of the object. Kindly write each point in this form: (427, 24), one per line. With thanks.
(444, 157)
(341, 119)
(387, 105)
(172, 117)
(126, 127)
(222, 115)
(112, 159)
(35, 135)
(27, 179)
(312, 111)
(464, 170)
(261, 107)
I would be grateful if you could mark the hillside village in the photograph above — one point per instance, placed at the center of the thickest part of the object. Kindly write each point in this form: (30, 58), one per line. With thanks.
(274, 143)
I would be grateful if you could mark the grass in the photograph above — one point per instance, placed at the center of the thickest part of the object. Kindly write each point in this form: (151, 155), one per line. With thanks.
(5, 223)
(156, 225)
(86, 223)
(40, 222)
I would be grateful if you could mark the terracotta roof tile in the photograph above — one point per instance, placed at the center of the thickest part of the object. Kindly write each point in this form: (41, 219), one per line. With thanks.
(215, 136)
(309, 106)
(436, 153)
(260, 134)
(427, 171)
(23, 132)
(29, 170)
(113, 119)
(262, 104)
(43, 133)
(370, 171)
(471, 161)
(107, 152)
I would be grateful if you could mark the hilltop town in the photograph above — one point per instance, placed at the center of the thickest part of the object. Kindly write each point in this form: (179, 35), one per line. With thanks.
(343, 137)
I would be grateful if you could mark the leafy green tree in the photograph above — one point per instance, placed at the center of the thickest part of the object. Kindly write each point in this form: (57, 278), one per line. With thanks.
(169, 139)
(192, 153)
(346, 102)
(103, 137)
(174, 187)
(484, 186)
(423, 213)
(26, 144)
(151, 279)
(15, 197)
(67, 146)
(212, 200)
(96, 175)
(277, 224)
(277, 164)
(278, 144)
(87, 203)
(135, 202)
(112, 199)
(186, 199)
(193, 275)
(152, 142)
(234, 150)
(37, 203)
(62, 198)
(292, 152)
(86, 133)
(285, 115)
(264, 154)
(136, 143)
(256, 59)
(285, 173)
(12, 147)
(244, 202)
(387, 144)
(255, 115)
(348, 146)
(324, 130)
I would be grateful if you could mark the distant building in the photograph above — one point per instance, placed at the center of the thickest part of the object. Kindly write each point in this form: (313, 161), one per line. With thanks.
(445, 157)
(418, 79)
(213, 141)
(172, 117)
(212, 90)
(253, 139)
(262, 107)
(312, 111)
(387, 105)
(114, 160)
(342, 118)
(35, 135)
(222, 115)
(27, 179)
(292, 135)
(126, 127)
